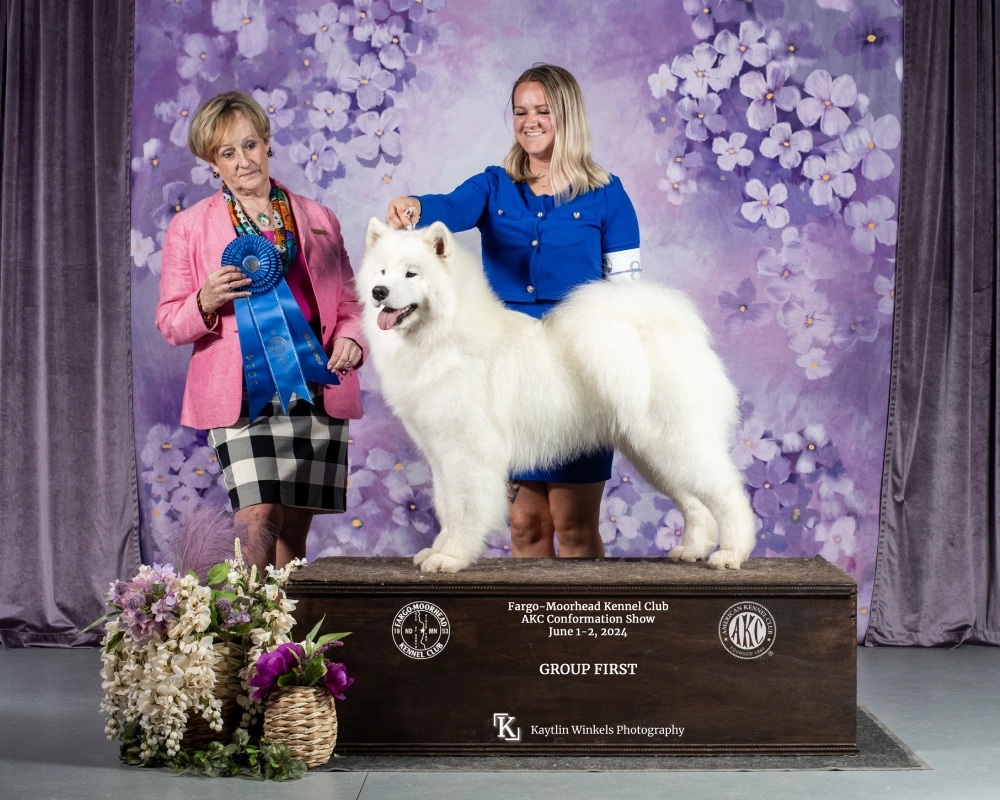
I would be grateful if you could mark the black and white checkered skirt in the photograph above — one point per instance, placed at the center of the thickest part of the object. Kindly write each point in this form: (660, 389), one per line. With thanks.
(294, 459)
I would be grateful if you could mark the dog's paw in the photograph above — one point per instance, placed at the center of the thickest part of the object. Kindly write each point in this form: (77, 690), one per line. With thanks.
(439, 562)
(421, 557)
(682, 553)
(724, 559)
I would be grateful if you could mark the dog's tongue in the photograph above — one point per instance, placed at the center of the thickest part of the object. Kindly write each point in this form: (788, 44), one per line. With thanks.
(387, 317)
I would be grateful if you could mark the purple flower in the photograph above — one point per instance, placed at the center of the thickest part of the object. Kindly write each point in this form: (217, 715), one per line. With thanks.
(329, 111)
(247, 18)
(271, 666)
(273, 104)
(224, 606)
(203, 57)
(829, 98)
(788, 147)
(813, 446)
(670, 530)
(142, 247)
(317, 156)
(363, 16)
(623, 482)
(808, 321)
(324, 25)
(379, 134)
(164, 609)
(415, 510)
(751, 443)
(871, 34)
(368, 81)
(393, 44)
(829, 175)
(886, 291)
(796, 517)
(336, 679)
(742, 308)
(155, 161)
(815, 364)
(203, 172)
(867, 142)
(161, 482)
(118, 590)
(677, 153)
(766, 203)
(676, 184)
(747, 47)
(793, 46)
(200, 469)
(787, 268)
(732, 152)
(614, 520)
(429, 37)
(660, 118)
(699, 72)
(662, 81)
(769, 481)
(419, 10)
(184, 500)
(768, 95)
(871, 221)
(702, 116)
(180, 111)
(855, 322)
(838, 537)
(707, 12)
(770, 540)
(175, 200)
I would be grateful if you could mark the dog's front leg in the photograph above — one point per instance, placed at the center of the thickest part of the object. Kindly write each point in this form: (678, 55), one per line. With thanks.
(471, 493)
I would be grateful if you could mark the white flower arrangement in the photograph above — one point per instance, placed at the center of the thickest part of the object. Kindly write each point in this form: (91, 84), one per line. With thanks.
(159, 655)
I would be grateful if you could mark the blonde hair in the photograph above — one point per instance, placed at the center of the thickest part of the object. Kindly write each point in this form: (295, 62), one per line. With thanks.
(572, 171)
(217, 114)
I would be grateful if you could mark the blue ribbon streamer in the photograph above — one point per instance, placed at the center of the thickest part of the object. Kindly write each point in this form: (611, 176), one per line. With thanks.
(280, 350)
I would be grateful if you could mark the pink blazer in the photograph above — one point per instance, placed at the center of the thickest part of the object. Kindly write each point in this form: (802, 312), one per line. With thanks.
(192, 247)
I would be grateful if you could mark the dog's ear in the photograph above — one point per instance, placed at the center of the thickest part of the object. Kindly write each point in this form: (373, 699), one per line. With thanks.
(375, 229)
(439, 238)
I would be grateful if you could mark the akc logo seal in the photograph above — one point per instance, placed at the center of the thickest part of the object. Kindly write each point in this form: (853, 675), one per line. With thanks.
(747, 630)
(421, 630)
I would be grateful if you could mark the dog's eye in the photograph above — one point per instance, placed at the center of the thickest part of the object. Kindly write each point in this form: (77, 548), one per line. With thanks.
(411, 274)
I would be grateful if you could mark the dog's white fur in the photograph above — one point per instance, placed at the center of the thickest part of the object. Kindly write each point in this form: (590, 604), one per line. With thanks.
(485, 391)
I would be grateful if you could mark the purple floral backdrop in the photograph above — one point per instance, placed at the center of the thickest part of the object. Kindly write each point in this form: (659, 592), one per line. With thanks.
(758, 139)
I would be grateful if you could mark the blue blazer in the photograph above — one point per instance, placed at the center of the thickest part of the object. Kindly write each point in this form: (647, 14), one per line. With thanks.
(533, 250)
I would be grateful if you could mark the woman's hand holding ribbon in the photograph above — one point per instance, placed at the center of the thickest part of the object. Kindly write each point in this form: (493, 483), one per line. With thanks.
(220, 287)
(346, 355)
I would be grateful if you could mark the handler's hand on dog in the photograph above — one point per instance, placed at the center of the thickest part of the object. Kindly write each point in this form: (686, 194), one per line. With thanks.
(346, 355)
(396, 215)
(216, 291)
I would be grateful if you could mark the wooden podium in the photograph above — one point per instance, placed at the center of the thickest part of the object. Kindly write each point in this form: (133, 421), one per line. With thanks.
(589, 657)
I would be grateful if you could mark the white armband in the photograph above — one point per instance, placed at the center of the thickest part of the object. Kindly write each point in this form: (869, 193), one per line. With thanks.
(621, 265)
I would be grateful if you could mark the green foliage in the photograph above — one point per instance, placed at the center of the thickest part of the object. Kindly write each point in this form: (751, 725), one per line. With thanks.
(217, 574)
(265, 761)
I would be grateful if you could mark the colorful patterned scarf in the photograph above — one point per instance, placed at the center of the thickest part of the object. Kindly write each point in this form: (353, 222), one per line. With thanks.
(285, 240)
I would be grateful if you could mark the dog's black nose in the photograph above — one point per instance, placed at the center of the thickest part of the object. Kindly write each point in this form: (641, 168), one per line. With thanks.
(380, 293)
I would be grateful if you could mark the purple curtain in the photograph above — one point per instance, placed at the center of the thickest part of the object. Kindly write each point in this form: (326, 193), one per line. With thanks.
(937, 579)
(68, 498)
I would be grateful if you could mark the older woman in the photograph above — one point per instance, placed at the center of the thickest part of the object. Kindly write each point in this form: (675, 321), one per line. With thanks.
(282, 467)
(551, 219)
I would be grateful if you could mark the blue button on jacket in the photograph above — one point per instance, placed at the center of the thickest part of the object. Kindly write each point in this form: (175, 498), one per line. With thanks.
(533, 250)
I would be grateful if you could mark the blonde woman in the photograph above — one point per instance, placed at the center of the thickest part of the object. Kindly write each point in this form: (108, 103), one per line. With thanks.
(551, 219)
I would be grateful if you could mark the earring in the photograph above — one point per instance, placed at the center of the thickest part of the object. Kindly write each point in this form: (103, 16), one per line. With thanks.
(215, 173)
(270, 152)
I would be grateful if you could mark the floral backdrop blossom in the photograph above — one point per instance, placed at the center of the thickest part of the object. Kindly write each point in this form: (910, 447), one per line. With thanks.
(758, 139)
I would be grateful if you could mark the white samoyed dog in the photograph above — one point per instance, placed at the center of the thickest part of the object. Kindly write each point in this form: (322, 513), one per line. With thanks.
(485, 391)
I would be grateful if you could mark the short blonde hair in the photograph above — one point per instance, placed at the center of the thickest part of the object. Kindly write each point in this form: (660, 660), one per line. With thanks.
(573, 171)
(217, 114)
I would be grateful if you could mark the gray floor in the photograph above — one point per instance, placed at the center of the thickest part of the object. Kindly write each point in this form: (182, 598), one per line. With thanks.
(945, 704)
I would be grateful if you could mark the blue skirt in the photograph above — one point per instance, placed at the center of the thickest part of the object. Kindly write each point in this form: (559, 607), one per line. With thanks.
(588, 468)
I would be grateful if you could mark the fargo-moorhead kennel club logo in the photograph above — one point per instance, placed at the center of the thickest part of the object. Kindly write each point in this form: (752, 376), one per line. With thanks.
(421, 630)
(747, 630)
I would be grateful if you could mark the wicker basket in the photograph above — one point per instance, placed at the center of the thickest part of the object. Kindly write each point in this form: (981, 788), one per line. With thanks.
(305, 719)
(230, 659)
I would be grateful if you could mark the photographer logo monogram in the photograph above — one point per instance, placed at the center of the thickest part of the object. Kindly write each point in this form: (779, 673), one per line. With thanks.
(747, 630)
(503, 722)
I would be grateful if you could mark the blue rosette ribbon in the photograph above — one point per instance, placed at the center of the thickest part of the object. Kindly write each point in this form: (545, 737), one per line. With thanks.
(280, 350)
